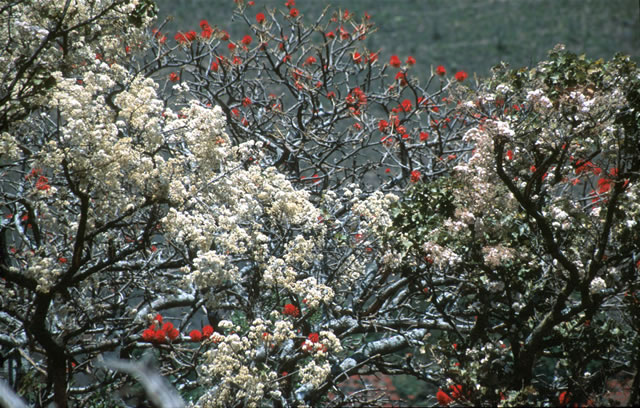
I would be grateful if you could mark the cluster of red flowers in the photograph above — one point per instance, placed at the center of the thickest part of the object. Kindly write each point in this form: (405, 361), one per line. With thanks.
(461, 76)
(185, 38)
(197, 335)
(455, 393)
(42, 183)
(159, 332)
(207, 31)
(173, 77)
(291, 310)
(356, 99)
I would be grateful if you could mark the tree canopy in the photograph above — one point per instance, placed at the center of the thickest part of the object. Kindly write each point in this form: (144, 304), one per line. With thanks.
(251, 222)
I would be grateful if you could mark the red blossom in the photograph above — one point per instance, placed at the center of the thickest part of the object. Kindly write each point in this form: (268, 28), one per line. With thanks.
(246, 40)
(246, 102)
(291, 310)
(173, 77)
(231, 46)
(207, 31)
(190, 35)
(344, 34)
(224, 36)
(440, 70)
(148, 334)
(294, 12)
(180, 38)
(510, 154)
(564, 398)
(42, 183)
(424, 136)
(173, 334)
(290, 3)
(260, 18)
(372, 57)
(394, 61)
(415, 176)
(313, 337)
(443, 398)
(402, 77)
(310, 60)
(383, 125)
(406, 105)
(214, 66)
(357, 58)
(207, 330)
(411, 60)
(461, 76)
(160, 336)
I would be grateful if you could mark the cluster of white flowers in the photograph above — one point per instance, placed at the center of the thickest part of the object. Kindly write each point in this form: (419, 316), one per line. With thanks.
(539, 99)
(495, 256)
(597, 285)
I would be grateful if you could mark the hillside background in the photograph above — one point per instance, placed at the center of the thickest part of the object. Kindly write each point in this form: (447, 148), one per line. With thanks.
(470, 35)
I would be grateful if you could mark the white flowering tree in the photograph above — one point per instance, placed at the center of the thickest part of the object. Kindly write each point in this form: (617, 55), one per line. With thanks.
(530, 250)
(134, 227)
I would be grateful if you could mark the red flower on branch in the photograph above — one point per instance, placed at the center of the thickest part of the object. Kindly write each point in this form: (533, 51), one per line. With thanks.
(148, 335)
(246, 40)
(294, 12)
(173, 77)
(357, 58)
(207, 31)
(260, 18)
(291, 310)
(510, 154)
(443, 398)
(180, 38)
(424, 136)
(173, 334)
(394, 61)
(415, 176)
(207, 330)
(461, 76)
(43, 183)
(440, 70)
(411, 60)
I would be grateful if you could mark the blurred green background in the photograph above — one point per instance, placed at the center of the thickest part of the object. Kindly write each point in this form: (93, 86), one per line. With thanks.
(470, 35)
